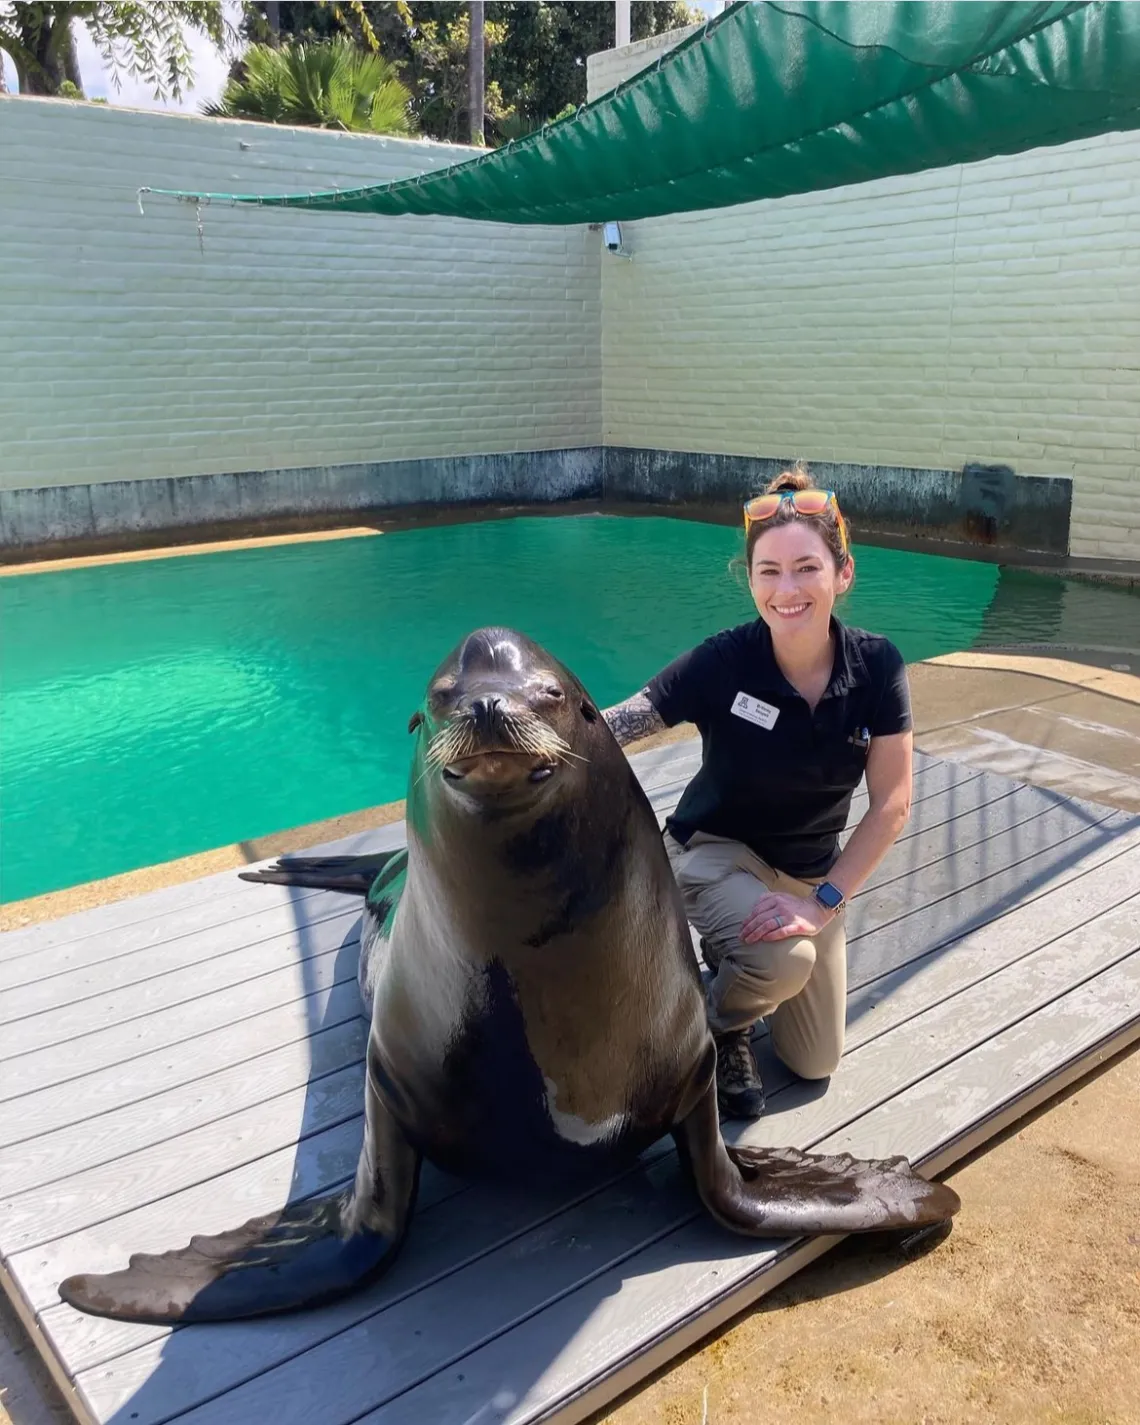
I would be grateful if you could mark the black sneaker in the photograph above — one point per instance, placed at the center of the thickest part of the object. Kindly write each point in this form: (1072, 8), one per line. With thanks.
(739, 1091)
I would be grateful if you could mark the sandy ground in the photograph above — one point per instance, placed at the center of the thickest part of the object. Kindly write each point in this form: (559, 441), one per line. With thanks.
(1030, 1312)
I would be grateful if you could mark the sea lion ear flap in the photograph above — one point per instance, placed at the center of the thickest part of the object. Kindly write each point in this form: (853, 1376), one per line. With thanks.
(589, 711)
(416, 720)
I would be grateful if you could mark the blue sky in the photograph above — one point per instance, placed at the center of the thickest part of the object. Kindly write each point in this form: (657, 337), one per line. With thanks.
(209, 71)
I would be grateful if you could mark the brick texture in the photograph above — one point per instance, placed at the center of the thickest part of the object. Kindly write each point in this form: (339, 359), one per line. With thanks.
(986, 312)
(289, 339)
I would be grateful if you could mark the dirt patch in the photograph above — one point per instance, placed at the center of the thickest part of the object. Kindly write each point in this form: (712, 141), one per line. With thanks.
(1029, 1314)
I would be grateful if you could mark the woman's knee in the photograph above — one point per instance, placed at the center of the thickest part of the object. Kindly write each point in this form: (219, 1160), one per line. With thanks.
(817, 1061)
(810, 1054)
(782, 967)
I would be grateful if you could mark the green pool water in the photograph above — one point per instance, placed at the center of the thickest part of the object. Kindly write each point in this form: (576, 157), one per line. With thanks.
(150, 710)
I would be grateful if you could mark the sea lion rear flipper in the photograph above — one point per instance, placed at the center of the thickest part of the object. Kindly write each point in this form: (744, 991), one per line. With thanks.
(781, 1192)
(353, 874)
(310, 1253)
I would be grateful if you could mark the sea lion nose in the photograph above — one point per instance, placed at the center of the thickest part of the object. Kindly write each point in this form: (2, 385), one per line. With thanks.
(483, 710)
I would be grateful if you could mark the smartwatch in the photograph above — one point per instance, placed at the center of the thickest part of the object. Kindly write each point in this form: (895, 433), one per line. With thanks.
(830, 897)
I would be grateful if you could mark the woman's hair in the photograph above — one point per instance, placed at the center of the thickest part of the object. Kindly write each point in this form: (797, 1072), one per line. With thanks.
(827, 523)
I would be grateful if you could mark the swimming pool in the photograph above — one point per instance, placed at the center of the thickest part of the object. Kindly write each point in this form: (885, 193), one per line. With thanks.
(155, 709)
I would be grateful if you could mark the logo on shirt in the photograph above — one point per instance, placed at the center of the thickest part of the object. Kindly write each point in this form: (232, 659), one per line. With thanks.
(754, 710)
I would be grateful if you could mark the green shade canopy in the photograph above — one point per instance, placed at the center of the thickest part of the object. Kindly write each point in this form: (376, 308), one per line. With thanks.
(775, 98)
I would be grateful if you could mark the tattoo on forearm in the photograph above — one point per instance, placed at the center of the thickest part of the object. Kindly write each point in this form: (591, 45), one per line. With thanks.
(635, 718)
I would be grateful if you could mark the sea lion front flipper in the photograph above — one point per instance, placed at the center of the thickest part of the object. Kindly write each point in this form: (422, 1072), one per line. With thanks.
(309, 1253)
(781, 1192)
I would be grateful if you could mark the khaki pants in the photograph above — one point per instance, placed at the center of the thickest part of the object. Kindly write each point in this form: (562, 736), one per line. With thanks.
(799, 985)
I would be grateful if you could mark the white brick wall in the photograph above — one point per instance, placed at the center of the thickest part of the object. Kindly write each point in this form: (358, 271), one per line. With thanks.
(610, 66)
(987, 312)
(294, 339)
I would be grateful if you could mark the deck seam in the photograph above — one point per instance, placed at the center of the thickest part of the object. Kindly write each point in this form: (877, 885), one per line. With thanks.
(174, 1043)
(175, 969)
(179, 1003)
(351, 910)
(1103, 838)
(619, 1260)
(352, 905)
(305, 1036)
(212, 883)
(1012, 866)
(700, 1322)
(337, 950)
(665, 1149)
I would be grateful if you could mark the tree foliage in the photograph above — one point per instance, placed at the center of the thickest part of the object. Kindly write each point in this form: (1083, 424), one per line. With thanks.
(328, 84)
(535, 51)
(146, 41)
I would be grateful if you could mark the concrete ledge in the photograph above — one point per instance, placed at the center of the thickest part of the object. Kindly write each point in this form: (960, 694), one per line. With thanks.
(981, 512)
(55, 518)
(986, 505)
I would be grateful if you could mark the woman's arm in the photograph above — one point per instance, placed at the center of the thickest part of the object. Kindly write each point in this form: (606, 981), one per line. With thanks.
(888, 790)
(633, 719)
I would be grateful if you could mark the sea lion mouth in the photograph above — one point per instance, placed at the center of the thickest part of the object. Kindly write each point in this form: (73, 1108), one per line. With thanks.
(498, 765)
(486, 752)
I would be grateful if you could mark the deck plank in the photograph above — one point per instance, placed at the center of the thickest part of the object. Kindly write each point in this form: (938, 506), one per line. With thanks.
(1069, 907)
(236, 966)
(408, 1339)
(184, 935)
(85, 1001)
(577, 1346)
(46, 1111)
(999, 903)
(216, 898)
(317, 922)
(175, 1025)
(170, 913)
(147, 1116)
(54, 1157)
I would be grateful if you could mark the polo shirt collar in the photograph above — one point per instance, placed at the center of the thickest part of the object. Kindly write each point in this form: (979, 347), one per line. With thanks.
(849, 670)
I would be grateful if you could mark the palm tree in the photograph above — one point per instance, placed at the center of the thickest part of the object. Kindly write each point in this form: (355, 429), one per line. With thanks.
(328, 85)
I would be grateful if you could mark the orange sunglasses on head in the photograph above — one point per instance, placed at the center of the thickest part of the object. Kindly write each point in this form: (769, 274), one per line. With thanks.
(804, 502)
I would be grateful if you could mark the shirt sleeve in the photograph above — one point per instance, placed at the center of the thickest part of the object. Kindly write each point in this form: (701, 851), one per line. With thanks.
(681, 692)
(893, 713)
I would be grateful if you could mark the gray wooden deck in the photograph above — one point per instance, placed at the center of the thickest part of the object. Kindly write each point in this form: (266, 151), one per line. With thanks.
(183, 1060)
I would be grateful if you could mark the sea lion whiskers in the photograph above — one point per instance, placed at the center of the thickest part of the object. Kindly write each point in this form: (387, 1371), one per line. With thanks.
(520, 732)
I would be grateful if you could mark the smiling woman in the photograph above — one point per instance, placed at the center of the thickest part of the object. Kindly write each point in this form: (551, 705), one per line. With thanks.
(793, 710)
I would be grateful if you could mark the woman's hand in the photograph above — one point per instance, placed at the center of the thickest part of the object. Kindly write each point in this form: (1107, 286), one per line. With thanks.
(777, 915)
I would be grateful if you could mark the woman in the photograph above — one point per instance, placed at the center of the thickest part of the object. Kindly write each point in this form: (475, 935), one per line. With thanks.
(793, 710)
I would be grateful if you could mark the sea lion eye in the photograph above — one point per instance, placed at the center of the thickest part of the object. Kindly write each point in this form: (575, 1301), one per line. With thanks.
(589, 712)
(554, 693)
(416, 720)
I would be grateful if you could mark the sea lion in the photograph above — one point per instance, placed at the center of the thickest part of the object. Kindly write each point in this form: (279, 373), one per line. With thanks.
(536, 1009)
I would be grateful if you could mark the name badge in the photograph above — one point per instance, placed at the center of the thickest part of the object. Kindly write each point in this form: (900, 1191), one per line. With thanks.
(753, 710)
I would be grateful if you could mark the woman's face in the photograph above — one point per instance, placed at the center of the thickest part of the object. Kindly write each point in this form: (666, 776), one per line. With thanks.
(794, 581)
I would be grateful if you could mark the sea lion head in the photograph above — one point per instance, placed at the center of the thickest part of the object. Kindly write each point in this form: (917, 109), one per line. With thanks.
(503, 722)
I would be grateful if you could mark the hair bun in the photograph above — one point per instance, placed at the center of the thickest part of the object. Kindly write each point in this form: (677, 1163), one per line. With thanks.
(796, 478)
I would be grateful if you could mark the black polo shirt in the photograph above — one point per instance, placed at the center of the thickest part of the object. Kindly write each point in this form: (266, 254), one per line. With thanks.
(774, 774)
